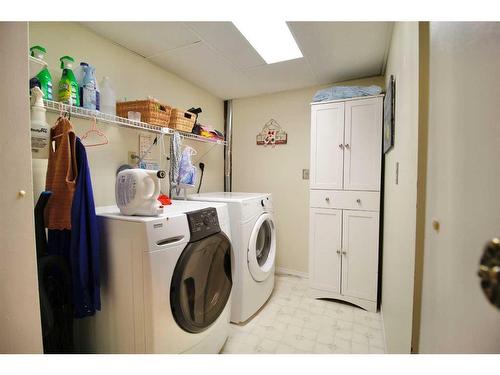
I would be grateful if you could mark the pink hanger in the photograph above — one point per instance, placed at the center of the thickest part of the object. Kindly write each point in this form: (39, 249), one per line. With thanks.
(93, 129)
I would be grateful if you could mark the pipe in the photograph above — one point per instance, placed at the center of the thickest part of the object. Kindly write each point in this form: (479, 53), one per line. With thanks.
(228, 148)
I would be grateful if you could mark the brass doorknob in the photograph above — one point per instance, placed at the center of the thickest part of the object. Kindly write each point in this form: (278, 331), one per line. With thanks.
(489, 271)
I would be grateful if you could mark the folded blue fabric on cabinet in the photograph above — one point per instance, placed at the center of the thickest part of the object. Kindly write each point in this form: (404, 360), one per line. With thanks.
(345, 92)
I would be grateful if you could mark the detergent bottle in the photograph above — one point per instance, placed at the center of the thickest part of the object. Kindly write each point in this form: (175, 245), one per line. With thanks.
(79, 74)
(40, 135)
(44, 77)
(107, 97)
(89, 91)
(68, 85)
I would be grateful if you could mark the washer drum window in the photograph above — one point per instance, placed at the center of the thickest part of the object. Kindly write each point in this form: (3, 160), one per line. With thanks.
(201, 283)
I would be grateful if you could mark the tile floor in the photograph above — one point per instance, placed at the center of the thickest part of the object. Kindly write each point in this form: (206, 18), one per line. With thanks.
(294, 322)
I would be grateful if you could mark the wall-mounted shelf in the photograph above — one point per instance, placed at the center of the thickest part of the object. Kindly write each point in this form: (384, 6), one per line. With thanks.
(80, 112)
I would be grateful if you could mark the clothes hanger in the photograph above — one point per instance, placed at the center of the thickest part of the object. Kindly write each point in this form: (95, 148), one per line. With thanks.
(191, 150)
(93, 129)
(62, 116)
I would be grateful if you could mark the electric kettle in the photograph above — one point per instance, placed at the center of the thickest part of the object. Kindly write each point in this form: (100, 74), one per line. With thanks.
(137, 192)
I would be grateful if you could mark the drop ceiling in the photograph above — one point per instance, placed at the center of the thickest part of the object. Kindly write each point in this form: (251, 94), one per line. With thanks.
(216, 56)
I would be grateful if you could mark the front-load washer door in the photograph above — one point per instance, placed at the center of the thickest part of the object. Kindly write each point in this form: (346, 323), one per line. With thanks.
(201, 283)
(262, 248)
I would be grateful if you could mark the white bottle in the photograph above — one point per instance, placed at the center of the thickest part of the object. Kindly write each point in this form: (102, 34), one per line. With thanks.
(107, 97)
(40, 134)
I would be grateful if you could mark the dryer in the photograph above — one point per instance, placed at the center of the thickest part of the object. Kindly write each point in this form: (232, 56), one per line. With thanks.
(166, 282)
(254, 243)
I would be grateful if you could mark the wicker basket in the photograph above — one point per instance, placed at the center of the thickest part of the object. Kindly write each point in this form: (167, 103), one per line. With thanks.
(152, 111)
(181, 120)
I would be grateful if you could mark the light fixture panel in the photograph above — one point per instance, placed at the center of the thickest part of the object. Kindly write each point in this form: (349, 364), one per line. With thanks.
(273, 41)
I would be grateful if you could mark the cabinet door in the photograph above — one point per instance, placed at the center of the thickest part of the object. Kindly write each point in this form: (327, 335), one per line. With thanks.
(327, 156)
(363, 144)
(324, 252)
(360, 243)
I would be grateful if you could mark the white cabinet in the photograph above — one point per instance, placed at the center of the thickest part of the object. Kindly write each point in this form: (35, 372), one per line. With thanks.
(327, 144)
(346, 154)
(346, 144)
(360, 241)
(326, 240)
(362, 144)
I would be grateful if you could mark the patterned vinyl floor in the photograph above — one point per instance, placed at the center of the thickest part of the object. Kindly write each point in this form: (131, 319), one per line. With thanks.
(294, 322)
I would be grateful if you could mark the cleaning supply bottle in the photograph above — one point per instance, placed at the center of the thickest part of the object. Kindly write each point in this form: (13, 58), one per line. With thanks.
(88, 92)
(107, 97)
(68, 86)
(97, 95)
(40, 134)
(79, 74)
(44, 77)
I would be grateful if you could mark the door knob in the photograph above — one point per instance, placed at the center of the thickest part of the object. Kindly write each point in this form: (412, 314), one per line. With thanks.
(489, 271)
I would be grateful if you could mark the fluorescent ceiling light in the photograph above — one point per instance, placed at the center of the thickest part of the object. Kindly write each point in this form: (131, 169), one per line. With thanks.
(272, 40)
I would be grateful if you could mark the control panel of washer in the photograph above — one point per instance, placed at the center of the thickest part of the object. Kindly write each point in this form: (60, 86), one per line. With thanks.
(203, 223)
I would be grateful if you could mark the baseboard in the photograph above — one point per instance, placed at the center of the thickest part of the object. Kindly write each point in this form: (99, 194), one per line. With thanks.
(286, 271)
(383, 329)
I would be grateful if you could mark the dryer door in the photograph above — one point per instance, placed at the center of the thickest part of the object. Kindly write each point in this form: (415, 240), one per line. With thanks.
(201, 283)
(262, 248)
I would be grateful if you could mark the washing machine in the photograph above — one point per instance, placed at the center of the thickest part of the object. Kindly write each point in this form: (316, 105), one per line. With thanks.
(166, 282)
(254, 246)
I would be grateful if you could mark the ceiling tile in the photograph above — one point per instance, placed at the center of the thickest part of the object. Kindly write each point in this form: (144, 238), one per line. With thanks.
(338, 51)
(226, 39)
(206, 68)
(145, 38)
(285, 75)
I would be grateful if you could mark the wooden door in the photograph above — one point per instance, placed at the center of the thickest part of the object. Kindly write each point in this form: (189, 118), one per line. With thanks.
(324, 250)
(363, 144)
(20, 324)
(360, 240)
(327, 154)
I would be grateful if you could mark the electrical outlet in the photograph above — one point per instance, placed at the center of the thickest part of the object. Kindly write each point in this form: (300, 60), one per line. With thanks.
(133, 158)
(305, 174)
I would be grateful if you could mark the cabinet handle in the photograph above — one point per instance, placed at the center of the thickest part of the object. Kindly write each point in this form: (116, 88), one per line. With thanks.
(341, 146)
(327, 199)
(338, 252)
(358, 201)
(347, 145)
(344, 252)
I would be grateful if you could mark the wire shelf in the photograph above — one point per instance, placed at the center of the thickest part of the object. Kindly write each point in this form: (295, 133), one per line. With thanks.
(85, 113)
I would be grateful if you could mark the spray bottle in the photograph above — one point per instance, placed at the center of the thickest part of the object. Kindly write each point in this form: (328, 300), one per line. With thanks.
(44, 77)
(89, 92)
(40, 136)
(68, 85)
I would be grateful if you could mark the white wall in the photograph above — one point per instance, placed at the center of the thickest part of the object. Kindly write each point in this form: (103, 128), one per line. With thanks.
(278, 170)
(462, 187)
(133, 78)
(400, 200)
(19, 304)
